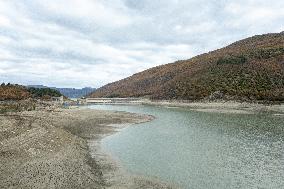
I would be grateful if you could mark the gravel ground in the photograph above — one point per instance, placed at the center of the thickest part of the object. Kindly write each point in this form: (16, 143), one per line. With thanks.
(222, 106)
(51, 149)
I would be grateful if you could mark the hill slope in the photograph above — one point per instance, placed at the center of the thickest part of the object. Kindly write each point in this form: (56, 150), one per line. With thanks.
(13, 92)
(19, 92)
(252, 68)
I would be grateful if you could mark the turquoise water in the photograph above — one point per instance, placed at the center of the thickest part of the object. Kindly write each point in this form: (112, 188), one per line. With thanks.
(200, 150)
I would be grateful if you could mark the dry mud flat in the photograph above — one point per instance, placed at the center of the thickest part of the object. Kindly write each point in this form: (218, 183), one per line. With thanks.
(49, 149)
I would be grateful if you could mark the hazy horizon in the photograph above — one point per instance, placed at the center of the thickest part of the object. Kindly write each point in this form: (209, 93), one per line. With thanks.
(89, 43)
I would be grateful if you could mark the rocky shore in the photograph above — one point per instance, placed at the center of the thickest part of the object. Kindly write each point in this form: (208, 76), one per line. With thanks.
(50, 148)
(221, 106)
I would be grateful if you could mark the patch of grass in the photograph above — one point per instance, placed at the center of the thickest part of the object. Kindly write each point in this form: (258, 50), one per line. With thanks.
(6, 107)
(9, 108)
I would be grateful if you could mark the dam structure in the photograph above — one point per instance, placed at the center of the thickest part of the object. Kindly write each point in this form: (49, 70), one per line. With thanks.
(114, 100)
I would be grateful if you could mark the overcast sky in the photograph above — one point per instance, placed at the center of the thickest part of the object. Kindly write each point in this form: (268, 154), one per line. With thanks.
(77, 43)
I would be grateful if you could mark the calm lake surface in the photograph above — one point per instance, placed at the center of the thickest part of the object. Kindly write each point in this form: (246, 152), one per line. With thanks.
(202, 150)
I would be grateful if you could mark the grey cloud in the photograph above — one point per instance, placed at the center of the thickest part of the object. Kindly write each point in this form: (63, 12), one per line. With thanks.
(88, 42)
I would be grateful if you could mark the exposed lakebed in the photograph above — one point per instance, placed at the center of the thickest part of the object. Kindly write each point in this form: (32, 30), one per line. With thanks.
(201, 150)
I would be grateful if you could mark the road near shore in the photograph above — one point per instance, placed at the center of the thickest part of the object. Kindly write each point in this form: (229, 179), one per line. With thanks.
(50, 149)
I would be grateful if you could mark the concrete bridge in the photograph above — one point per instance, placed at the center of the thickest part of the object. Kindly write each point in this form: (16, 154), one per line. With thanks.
(114, 100)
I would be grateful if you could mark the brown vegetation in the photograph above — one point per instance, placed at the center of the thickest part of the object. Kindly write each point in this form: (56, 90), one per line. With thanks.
(13, 92)
(18, 92)
(250, 69)
(16, 98)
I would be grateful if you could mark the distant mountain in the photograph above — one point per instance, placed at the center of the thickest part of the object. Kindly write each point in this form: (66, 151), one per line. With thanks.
(76, 93)
(251, 69)
(69, 92)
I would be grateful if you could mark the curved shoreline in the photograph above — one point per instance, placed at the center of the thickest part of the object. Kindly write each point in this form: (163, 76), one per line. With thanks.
(116, 176)
(51, 148)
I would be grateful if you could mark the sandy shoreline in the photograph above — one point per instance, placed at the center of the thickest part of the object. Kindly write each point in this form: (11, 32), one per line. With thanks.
(51, 149)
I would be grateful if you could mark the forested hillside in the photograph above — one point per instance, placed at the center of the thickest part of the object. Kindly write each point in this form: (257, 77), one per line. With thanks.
(19, 92)
(13, 92)
(250, 69)
(43, 92)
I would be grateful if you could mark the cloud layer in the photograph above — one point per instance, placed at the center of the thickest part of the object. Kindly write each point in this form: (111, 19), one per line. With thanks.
(77, 43)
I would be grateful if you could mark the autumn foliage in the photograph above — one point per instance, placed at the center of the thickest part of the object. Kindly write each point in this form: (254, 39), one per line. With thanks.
(18, 92)
(13, 92)
(251, 69)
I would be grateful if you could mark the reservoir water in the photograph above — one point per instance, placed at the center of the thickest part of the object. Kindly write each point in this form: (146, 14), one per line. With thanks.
(198, 150)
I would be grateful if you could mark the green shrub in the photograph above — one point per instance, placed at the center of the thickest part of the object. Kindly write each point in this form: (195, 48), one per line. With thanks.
(232, 60)
(42, 92)
(267, 53)
(113, 95)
